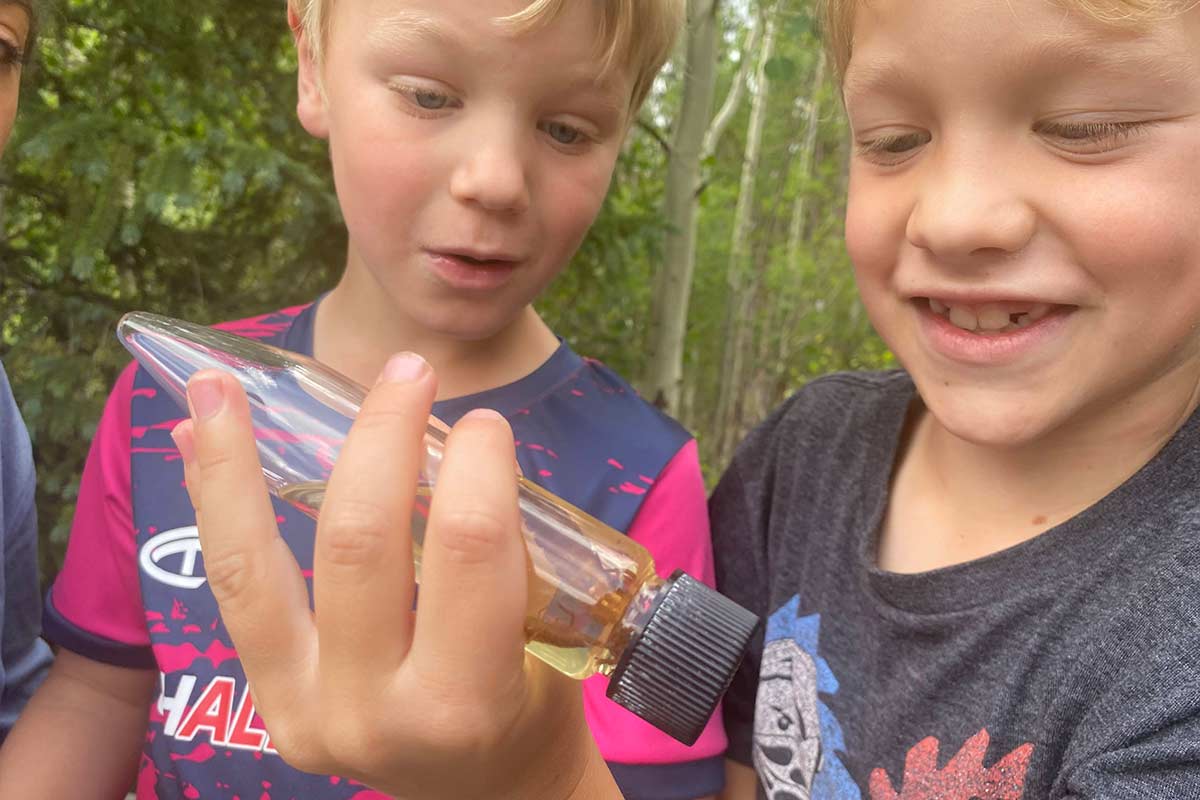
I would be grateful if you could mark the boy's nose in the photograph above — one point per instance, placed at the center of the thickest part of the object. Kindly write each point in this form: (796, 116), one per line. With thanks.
(968, 206)
(492, 175)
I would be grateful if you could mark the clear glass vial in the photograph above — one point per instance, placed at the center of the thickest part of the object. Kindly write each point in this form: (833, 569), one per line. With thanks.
(596, 603)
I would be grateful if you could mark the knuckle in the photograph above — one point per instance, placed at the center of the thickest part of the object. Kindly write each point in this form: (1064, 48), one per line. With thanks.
(355, 533)
(296, 746)
(381, 419)
(470, 536)
(456, 719)
(351, 745)
(212, 464)
(454, 728)
(232, 575)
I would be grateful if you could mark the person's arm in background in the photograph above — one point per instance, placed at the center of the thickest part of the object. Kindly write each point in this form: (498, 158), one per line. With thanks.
(82, 733)
(24, 657)
(740, 782)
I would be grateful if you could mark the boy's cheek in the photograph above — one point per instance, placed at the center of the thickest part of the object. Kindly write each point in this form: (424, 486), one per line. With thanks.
(875, 232)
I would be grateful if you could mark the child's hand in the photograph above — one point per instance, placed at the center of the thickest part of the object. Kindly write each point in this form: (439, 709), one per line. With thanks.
(442, 703)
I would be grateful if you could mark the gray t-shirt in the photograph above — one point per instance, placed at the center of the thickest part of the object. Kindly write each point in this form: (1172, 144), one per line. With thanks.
(1067, 666)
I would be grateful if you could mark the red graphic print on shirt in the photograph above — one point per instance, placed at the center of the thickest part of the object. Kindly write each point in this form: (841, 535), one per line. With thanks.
(963, 778)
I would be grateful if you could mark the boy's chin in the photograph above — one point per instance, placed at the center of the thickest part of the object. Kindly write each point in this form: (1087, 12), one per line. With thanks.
(471, 325)
(991, 419)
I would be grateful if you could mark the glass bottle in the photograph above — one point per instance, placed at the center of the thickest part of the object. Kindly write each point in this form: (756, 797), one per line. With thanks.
(596, 604)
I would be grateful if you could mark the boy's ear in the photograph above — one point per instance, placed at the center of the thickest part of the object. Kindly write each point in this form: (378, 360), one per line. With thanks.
(311, 106)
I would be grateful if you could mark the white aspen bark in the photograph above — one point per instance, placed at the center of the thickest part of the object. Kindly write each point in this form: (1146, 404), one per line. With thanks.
(737, 327)
(673, 283)
(733, 100)
(797, 235)
(808, 148)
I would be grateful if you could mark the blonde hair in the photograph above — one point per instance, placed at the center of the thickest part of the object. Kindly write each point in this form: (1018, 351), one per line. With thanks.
(636, 35)
(837, 19)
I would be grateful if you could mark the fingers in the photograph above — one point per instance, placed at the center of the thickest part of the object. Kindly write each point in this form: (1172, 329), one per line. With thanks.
(470, 616)
(363, 561)
(252, 573)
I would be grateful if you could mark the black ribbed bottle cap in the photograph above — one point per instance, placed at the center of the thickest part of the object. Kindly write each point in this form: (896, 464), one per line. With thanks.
(673, 673)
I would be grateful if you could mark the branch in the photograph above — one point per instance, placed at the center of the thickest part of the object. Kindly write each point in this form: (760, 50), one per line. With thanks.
(655, 134)
(733, 99)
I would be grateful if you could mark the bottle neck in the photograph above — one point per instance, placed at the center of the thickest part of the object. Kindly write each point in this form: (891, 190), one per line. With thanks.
(637, 615)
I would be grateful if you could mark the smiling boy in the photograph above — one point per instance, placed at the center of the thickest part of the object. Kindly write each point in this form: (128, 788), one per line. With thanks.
(980, 573)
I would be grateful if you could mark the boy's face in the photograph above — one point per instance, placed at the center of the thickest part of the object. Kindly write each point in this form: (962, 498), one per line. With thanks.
(14, 28)
(469, 161)
(1024, 210)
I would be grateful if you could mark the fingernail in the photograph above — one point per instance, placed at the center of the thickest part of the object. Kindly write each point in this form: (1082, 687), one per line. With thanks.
(182, 436)
(206, 393)
(403, 368)
(483, 413)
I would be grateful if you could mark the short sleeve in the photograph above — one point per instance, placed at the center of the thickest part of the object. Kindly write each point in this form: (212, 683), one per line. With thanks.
(1140, 737)
(94, 607)
(23, 656)
(739, 508)
(672, 524)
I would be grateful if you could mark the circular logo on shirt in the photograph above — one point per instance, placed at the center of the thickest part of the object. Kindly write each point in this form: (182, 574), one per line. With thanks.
(170, 558)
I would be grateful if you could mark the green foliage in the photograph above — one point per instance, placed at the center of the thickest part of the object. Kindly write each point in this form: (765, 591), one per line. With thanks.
(808, 317)
(158, 165)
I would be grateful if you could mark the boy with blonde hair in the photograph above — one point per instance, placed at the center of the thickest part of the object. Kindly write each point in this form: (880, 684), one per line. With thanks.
(980, 574)
(472, 142)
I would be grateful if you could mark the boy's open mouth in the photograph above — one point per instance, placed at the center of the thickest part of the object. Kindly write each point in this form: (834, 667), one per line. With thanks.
(990, 318)
(481, 260)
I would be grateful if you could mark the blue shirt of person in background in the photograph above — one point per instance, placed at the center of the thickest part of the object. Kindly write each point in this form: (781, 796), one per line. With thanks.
(24, 657)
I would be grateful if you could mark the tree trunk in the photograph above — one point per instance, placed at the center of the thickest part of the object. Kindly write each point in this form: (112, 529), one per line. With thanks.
(797, 232)
(796, 229)
(736, 323)
(733, 100)
(673, 282)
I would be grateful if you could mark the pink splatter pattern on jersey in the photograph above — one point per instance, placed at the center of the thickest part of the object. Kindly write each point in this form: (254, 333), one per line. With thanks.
(259, 327)
(177, 657)
(201, 754)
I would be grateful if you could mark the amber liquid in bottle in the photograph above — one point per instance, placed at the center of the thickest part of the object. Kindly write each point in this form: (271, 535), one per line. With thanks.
(577, 635)
(595, 602)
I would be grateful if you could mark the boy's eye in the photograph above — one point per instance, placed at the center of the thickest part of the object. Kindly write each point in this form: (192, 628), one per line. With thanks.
(431, 101)
(562, 133)
(892, 148)
(1090, 137)
(422, 98)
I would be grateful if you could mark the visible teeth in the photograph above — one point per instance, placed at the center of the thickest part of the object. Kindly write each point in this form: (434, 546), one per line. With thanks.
(963, 318)
(993, 318)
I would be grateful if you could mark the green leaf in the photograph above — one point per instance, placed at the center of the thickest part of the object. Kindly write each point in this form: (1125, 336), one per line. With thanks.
(780, 68)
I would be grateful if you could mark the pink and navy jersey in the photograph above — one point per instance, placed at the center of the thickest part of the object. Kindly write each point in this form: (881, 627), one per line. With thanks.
(133, 592)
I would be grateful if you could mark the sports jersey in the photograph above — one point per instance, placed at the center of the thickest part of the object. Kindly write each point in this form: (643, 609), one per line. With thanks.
(133, 592)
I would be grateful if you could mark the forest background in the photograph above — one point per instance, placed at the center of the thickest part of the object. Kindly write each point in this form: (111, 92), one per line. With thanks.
(158, 165)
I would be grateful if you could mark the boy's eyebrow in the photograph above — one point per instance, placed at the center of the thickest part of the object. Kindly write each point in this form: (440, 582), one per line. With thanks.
(880, 75)
(408, 27)
(1143, 62)
(1048, 56)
